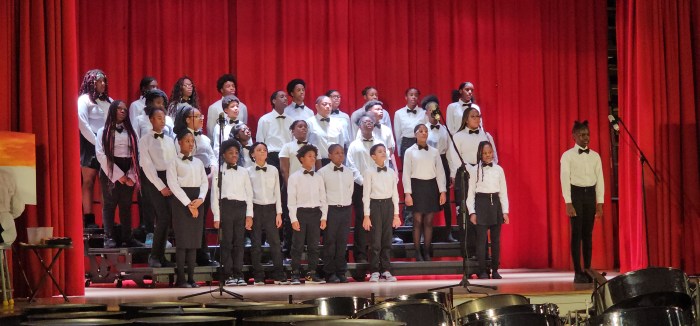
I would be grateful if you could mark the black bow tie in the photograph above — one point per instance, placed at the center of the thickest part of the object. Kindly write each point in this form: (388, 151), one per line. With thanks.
(302, 142)
(335, 111)
(248, 147)
(434, 127)
(474, 131)
(280, 117)
(263, 168)
(232, 166)
(336, 168)
(487, 164)
(467, 104)
(368, 140)
(299, 106)
(414, 111)
(326, 119)
(378, 125)
(423, 147)
(119, 129)
(381, 169)
(160, 135)
(234, 122)
(309, 172)
(197, 133)
(185, 158)
(584, 150)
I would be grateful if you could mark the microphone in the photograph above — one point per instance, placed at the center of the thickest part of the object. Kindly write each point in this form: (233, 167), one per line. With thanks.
(434, 110)
(222, 119)
(613, 122)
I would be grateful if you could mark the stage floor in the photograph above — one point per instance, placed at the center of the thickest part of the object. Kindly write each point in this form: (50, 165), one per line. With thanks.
(541, 286)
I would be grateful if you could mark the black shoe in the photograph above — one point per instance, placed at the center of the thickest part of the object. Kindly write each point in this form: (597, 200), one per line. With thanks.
(361, 261)
(154, 262)
(580, 278)
(208, 262)
(332, 279)
(312, 278)
(450, 238)
(419, 255)
(342, 278)
(495, 275)
(183, 285)
(295, 278)
(588, 277)
(426, 253)
(109, 243)
(166, 263)
(133, 243)
(483, 276)
(193, 284)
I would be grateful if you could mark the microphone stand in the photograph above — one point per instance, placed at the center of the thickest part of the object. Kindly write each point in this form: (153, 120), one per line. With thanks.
(464, 283)
(220, 269)
(642, 161)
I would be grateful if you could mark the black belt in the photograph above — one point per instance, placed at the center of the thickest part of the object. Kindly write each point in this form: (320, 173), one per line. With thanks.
(381, 200)
(582, 189)
(308, 209)
(264, 205)
(489, 196)
(340, 206)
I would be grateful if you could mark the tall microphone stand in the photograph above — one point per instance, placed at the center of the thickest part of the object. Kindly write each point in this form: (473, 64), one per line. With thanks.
(464, 283)
(642, 160)
(220, 269)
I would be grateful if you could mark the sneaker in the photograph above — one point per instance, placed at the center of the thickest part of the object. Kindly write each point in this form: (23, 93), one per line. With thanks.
(247, 242)
(374, 277)
(241, 282)
(168, 244)
(332, 279)
(231, 281)
(282, 281)
(295, 279)
(396, 240)
(342, 278)
(387, 277)
(154, 262)
(313, 278)
(259, 281)
(149, 240)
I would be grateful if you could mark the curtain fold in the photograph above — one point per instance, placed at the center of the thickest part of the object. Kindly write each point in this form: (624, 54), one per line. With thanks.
(658, 73)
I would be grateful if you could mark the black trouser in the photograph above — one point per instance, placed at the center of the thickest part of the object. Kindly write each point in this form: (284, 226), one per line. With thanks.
(310, 224)
(117, 195)
(232, 226)
(335, 240)
(360, 235)
(147, 214)
(264, 221)
(461, 197)
(163, 216)
(481, 245)
(203, 251)
(381, 215)
(286, 231)
(584, 201)
(447, 207)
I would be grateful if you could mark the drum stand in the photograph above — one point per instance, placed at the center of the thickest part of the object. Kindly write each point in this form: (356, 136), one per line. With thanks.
(220, 269)
(464, 219)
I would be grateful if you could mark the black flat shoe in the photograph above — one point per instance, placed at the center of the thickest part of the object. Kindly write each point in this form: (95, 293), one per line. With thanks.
(183, 285)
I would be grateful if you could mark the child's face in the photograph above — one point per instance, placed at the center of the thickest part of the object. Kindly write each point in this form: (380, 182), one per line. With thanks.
(159, 102)
(324, 107)
(467, 92)
(232, 110)
(122, 112)
(280, 100)
(412, 98)
(195, 120)
(100, 85)
(582, 137)
(260, 154)
(308, 160)
(186, 144)
(487, 154)
(337, 155)
(474, 119)
(229, 88)
(379, 155)
(378, 112)
(231, 155)
(422, 134)
(187, 88)
(243, 135)
(300, 131)
(158, 120)
(298, 92)
(335, 99)
(371, 95)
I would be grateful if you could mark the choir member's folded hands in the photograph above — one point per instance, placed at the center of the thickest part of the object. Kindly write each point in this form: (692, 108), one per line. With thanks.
(166, 192)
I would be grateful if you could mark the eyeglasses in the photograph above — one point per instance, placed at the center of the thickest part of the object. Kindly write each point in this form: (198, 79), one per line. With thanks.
(198, 117)
(335, 96)
(188, 85)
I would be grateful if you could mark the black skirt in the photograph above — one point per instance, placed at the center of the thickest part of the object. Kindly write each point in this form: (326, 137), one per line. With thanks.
(188, 230)
(426, 195)
(88, 158)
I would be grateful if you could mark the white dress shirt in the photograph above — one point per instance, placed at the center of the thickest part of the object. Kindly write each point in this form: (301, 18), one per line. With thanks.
(404, 123)
(274, 131)
(144, 127)
(454, 112)
(185, 173)
(297, 113)
(339, 184)
(203, 150)
(91, 116)
(492, 181)
(359, 159)
(155, 155)
(380, 185)
(289, 150)
(227, 135)
(122, 148)
(136, 110)
(322, 134)
(213, 115)
(235, 185)
(355, 116)
(438, 138)
(582, 170)
(266, 186)
(423, 165)
(306, 191)
(346, 120)
(468, 145)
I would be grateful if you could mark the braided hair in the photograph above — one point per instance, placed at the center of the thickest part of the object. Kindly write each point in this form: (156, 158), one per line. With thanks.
(479, 159)
(108, 141)
(88, 85)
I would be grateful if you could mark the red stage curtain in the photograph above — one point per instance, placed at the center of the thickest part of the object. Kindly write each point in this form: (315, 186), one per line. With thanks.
(38, 95)
(658, 74)
(537, 66)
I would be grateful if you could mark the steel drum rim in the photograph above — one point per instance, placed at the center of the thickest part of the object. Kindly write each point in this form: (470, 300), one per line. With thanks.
(629, 313)
(389, 304)
(548, 309)
(458, 314)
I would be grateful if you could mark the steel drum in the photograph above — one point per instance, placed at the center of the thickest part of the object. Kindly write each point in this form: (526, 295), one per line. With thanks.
(412, 312)
(80, 315)
(353, 322)
(235, 304)
(650, 287)
(546, 309)
(521, 319)
(132, 308)
(185, 321)
(64, 307)
(11, 318)
(439, 297)
(346, 306)
(644, 316)
(187, 312)
(81, 321)
(489, 302)
(286, 320)
(272, 310)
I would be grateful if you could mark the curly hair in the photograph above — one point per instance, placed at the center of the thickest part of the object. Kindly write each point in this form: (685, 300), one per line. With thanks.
(176, 96)
(88, 85)
(108, 139)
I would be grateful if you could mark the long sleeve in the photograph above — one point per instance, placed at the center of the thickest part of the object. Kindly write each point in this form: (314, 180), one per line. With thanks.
(366, 191)
(215, 209)
(353, 161)
(117, 173)
(204, 184)
(322, 198)
(565, 178)
(407, 171)
(395, 194)
(84, 122)
(247, 185)
(292, 198)
(171, 175)
(146, 164)
(440, 172)
(471, 194)
(600, 183)
(503, 193)
(278, 194)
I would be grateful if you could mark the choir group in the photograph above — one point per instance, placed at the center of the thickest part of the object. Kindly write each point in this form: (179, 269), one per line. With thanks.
(299, 179)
